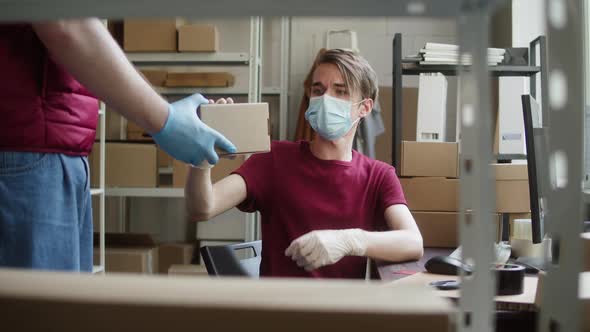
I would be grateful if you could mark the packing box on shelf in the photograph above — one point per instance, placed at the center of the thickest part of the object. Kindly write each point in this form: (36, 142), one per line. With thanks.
(198, 38)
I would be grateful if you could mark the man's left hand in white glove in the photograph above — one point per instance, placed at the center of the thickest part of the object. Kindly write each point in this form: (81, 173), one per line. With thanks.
(324, 247)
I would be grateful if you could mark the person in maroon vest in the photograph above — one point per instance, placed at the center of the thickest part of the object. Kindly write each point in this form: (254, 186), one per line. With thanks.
(51, 73)
(324, 206)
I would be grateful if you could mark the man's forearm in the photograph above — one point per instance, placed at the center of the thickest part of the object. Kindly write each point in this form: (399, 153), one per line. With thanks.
(86, 50)
(199, 194)
(394, 246)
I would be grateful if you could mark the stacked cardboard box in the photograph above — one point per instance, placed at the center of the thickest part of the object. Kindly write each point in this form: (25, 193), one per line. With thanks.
(430, 180)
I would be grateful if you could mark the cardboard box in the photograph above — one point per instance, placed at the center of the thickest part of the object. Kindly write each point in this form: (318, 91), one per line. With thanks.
(430, 159)
(223, 168)
(510, 171)
(163, 303)
(198, 38)
(136, 133)
(155, 77)
(409, 119)
(586, 250)
(221, 79)
(188, 270)
(512, 196)
(164, 159)
(441, 229)
(174, 253)
(128, 253)
(126, 165)
(247, 126)
(149, 35)
(431, 194)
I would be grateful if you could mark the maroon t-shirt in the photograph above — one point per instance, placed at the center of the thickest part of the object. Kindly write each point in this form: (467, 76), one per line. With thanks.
(296, 193)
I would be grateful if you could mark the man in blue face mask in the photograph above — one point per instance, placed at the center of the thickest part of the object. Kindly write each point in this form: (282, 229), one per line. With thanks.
(324, 206)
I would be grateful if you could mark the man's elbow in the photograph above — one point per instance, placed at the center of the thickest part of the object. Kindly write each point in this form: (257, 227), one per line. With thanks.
(418, 247)
(196, 214)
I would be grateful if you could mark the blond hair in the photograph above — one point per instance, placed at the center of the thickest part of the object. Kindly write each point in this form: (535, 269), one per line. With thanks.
(357, 72)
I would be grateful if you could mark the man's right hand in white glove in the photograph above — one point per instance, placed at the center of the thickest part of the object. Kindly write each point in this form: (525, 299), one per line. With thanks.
(186, 138)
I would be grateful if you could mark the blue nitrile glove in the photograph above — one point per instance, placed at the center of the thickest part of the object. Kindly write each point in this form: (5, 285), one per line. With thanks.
(186, 138)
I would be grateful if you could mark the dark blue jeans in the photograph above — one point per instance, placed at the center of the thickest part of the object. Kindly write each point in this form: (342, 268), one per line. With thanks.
(45, 211)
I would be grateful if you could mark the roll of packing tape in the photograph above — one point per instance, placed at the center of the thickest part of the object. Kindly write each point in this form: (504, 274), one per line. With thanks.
(510, 279)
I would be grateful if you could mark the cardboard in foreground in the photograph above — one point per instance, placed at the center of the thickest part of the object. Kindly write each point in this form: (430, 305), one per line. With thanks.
(73, 302)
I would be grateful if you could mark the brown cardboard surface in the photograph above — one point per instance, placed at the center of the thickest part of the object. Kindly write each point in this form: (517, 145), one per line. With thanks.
(441, 194)
(149, 35)
(220, 79)
(247, 126)
(198, 38)
(512, 196)
(126, 165)
(154, 77)
(174, 253)
(431, 194)
(164, 159)
(151, 303)
(586, 255)
(430, 159)
(129, 253)
(510, 171)
(223, 168)
(136, 133)
(409, 113)
(188, 270)
(441, 229)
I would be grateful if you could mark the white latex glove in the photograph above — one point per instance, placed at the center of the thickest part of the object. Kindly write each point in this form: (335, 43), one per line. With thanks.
(319, 248)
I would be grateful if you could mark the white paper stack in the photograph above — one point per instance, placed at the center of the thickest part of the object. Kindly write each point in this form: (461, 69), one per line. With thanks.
(448, 54)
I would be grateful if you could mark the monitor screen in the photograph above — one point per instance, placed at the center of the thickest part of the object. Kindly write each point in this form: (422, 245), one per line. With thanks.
(535, 138)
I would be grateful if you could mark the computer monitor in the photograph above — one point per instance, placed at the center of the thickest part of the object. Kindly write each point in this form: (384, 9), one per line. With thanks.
(536, 147)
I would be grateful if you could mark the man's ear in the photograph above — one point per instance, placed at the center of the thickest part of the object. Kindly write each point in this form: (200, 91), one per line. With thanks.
(366, 107)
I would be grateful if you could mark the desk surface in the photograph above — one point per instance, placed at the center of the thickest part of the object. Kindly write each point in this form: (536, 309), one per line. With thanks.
(424, 278)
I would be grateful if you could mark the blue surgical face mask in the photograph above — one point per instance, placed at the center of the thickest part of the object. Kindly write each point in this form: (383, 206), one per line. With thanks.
(330, 117)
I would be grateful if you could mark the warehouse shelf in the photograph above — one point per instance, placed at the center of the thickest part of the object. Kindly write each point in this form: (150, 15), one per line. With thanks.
(224, 58)
(96, 191)
(213, 91)
(146, 192)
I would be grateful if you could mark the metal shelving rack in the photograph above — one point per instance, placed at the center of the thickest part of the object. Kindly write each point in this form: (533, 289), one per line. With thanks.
(100, 191)
(400, 68)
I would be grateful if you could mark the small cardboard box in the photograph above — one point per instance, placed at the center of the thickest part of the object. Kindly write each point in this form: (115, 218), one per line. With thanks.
(441, 229)
(128, 253)
(149, 35)
(431, 194)
(223, 168)
(512, 196)
(155, 77)
(430, 159)
(510, 171)
(126, 165)
(178, 80)
(198, 38)
(247, 126)
(174, 253)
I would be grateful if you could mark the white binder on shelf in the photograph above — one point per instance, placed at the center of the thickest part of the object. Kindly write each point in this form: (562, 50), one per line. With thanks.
(432, 108)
